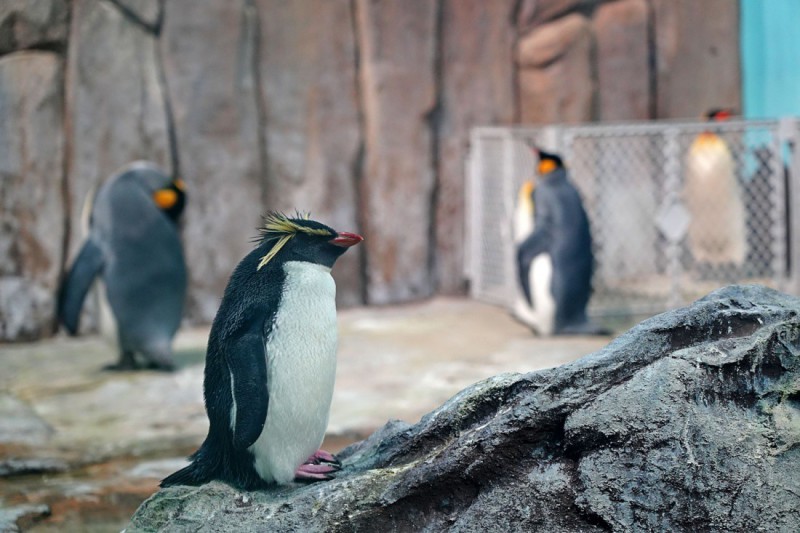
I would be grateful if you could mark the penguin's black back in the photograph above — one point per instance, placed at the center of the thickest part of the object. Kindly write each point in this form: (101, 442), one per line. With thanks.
(561, 218)
(248, 302)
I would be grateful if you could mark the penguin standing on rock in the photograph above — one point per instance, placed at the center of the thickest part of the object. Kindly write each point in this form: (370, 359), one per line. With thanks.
(135, 247)
(554, 253)
(271, 362)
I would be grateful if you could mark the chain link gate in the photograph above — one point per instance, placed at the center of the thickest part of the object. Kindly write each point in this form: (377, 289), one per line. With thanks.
(646, 219)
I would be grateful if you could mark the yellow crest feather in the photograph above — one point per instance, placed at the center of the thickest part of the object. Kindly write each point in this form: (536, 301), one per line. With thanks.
(280, 227)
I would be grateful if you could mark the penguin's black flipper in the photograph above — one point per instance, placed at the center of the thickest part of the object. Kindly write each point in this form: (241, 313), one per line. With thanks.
(528, 249)
(248, 371)
(79, 280)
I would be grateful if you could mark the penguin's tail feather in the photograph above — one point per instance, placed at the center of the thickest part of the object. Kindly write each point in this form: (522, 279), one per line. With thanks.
(202, 469)
(190, 475)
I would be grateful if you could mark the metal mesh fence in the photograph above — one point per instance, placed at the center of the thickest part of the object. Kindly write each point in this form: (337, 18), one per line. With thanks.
(676, 209)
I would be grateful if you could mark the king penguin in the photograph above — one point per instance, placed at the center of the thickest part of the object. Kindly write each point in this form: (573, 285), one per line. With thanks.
(271, 362)
(554, 253)
(717, 234)
(134, 246)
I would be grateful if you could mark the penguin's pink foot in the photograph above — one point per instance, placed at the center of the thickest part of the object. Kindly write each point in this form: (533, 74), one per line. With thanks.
(311, 472)
(320, 466)
(322, 457)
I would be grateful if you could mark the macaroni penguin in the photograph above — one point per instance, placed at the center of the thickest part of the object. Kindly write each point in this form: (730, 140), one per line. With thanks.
(271, 361)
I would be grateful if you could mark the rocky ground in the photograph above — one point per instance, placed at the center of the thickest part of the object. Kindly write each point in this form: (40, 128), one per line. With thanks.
(81, 448)
(689, 421)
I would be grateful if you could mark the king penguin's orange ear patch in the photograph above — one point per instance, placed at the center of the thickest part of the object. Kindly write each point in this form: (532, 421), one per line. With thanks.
(179, 184)
(546, 166)
(165, 198)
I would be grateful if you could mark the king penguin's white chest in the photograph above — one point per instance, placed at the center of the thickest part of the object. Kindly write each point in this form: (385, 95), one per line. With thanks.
(301, 368)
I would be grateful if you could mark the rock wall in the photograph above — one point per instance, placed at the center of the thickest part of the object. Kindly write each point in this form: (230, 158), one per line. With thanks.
(354, 110)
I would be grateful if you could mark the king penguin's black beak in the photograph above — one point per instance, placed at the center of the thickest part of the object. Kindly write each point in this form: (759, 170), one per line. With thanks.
(346, 239)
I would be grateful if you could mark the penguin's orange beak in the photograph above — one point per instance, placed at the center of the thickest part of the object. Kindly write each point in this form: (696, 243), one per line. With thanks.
(346, 239)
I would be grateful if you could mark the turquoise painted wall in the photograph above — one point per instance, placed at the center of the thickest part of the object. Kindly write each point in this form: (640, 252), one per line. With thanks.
(770, 43)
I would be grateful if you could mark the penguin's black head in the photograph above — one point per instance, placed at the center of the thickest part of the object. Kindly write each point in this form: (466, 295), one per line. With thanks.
(300, 239)
(548, 162)
(719, 114)
(171, 199)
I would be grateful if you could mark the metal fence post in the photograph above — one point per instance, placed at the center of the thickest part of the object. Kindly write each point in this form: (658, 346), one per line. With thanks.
(672, 193)
(794, 207)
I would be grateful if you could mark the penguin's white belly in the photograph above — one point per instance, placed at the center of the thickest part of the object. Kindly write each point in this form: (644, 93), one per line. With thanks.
(301, 368)
(542, 315)
(541, 283)
(717, 230)
(106, 321)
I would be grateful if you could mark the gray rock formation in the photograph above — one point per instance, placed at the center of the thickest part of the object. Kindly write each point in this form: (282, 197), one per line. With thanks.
(398, 60)
(623, 83)
(213, 92)
(701, 38)
(313, 141)
(550, 59)
(31, 201)
(32, 24)
(476, 89)
(688, 422)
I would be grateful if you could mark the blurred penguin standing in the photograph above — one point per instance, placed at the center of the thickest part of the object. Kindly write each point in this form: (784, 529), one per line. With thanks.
(554, 253)
(717, 232)
(134, 246)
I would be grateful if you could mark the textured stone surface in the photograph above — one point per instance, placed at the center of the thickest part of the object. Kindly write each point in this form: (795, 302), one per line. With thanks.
(22, 516)
(555, 72)
(31, 201)
(32, 23)
(116, 101)
(313, 137)
(19, 423)
(697, 56)
(213, 95)
(398, 90)
(477, 90)
(623, 78)
(688, 422)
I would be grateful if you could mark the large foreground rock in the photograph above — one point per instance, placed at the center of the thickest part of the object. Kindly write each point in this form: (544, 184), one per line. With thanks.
(690, 421)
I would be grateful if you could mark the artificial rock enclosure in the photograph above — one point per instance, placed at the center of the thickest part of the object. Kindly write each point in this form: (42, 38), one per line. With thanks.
(690, 421)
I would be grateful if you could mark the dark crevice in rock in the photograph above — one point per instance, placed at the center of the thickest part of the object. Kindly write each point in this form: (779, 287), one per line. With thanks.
(55, 47)
(68, 147)
(132, 16)
(163, 82)
(433, 119)
(594, 77)
(360, 156)
(652, 62)
(266, 179)
(594, 519)
(516, 96)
